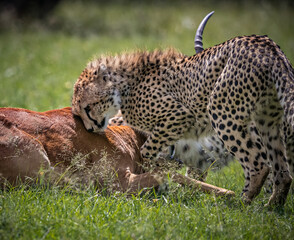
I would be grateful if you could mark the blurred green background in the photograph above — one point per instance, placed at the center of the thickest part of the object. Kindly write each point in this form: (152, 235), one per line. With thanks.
(42, 53)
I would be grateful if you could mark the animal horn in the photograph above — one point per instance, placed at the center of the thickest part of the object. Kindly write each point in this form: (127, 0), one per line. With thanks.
(198, 45)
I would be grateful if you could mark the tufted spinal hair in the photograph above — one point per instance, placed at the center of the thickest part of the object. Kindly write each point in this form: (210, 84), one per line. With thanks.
(136, 59)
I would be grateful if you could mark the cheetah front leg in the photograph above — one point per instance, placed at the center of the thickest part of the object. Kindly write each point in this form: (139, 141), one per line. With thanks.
(167, 131)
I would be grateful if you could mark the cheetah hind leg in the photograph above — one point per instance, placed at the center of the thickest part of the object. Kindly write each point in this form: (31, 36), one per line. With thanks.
(276, 153)
(290, 152)
(249, 151)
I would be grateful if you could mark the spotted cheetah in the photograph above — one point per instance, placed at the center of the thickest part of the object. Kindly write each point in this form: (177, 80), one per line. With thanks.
(222, 89)
(199, 155)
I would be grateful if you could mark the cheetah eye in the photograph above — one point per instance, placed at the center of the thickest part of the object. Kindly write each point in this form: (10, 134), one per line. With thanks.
(87, 109)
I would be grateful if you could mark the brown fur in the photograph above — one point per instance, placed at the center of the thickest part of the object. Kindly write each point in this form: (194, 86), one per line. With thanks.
(30, 140)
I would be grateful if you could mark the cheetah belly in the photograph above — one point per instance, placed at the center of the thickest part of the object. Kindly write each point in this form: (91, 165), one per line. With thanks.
(201, 128)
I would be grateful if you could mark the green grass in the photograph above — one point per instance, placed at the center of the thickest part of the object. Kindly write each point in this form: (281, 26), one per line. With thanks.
(62, 213)
(39, 63)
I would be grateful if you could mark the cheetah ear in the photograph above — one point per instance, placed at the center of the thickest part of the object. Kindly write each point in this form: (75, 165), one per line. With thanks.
(103, 71)
(102, 68)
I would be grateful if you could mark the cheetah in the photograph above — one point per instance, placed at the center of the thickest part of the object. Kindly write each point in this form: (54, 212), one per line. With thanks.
(199, 156)
(220, 90)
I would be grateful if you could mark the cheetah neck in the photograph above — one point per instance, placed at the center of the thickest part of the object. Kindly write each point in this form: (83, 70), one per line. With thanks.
(127, 70)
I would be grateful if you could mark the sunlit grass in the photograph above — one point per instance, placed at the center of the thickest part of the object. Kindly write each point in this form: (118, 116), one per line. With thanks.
(51, 212)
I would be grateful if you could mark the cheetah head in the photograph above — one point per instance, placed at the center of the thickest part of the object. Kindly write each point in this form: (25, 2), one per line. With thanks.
(95, 98)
